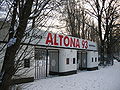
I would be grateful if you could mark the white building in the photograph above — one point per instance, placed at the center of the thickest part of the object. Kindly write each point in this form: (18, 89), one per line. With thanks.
(55, 54)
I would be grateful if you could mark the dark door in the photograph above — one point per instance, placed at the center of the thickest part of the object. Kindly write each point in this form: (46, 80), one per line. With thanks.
(84, 60)
(81, 60)
(78, 60)
(53, 60)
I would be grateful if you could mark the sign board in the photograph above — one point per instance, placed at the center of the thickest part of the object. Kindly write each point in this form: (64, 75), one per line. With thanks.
(58, 40)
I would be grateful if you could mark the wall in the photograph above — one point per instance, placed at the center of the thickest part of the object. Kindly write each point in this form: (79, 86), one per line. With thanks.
(67, 53)
(90, 55)
(28, 54)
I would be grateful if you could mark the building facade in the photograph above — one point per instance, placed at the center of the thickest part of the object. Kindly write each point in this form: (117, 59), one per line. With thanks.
(56, 54)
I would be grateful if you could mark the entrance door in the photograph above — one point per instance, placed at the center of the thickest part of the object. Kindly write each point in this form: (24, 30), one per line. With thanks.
(78, 60)
(84, 60)
(41, 65)
(81, 60)
(53, 59)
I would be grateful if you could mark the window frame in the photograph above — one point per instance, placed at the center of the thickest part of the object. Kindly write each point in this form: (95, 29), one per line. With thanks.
(26, 63)
(67, 60)
(95, 59)
(73, 60)
(92, 59)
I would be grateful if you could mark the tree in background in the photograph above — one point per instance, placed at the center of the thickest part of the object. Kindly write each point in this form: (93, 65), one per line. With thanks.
(78, 22)
(106, 15)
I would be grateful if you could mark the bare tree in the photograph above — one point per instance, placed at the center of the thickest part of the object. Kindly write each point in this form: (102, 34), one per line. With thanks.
(76, 18)
(105, 14)
(23, 12)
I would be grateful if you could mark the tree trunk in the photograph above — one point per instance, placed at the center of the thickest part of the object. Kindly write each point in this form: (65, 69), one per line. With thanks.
(102, 53)
(8, 69)
(101, 41)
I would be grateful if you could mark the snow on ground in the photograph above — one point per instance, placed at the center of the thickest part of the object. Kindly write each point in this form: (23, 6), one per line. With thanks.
(107, 78)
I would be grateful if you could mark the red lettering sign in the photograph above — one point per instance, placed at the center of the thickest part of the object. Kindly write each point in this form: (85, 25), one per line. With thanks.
(61, 36)
(84, 44)
(72, 42)
(55, 41)
(66, 41)
(77, 43)
(49, 39)
(60, 40)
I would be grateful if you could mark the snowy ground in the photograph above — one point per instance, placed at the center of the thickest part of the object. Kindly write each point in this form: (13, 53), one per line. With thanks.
(107, 78)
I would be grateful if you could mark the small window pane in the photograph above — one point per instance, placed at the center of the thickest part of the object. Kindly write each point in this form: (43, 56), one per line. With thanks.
(26, 63)
(92, 59)
(67, 61)
(73, 60)
(95, 59)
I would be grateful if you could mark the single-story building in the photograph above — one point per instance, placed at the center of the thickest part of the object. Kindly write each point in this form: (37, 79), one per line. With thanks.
(57, 54)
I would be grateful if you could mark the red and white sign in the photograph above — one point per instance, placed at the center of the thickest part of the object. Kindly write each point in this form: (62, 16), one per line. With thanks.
(57, 40)
(65, 41)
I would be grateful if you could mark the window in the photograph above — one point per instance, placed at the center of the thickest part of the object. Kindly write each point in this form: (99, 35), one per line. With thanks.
(73, 60)
(96, 59)
(92, 59)
(26, 63)
(67, 61)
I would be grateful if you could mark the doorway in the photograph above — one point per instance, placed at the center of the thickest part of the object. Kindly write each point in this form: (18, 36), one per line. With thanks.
(46, 62)
(81, 60)
(54, 61)
(41, 63)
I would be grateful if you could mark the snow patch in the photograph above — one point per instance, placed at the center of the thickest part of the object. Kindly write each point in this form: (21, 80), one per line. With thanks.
(107, 78)
(11, 42)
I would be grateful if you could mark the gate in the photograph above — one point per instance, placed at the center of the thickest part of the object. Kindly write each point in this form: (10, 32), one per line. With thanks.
(41, 63)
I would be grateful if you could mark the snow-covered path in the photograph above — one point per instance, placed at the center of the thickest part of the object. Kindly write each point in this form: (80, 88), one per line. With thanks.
(104, 79)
